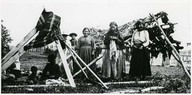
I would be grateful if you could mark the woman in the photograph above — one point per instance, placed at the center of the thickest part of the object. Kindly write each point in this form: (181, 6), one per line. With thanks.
(112, 67)
(86, 46)
(140, 66)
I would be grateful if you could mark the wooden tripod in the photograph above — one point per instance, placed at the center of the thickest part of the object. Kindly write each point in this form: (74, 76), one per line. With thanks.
(75, 55)
(175, 53)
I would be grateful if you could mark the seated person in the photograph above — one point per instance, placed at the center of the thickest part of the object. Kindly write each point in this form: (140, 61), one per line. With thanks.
(33, 78)
(13, 70)
(11, 74)
(7, 79)
(51, 70)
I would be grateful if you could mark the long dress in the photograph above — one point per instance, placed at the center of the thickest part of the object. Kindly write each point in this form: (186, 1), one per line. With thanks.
(113, 67)
(86, 46)
(140, 61)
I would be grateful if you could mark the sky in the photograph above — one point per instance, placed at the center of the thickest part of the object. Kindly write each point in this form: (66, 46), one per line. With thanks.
(21, 16)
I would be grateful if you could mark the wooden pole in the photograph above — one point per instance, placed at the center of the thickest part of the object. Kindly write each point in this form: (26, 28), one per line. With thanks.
(17, 51)
(152, 88)
(12, 59)
(78, 64)
(86, 66)
(129, 82)
(19, 46)
(96, 59)
(65, 64)
(31, 86)
(177, 54)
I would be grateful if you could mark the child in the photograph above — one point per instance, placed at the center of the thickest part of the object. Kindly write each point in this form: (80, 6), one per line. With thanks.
(33, 78)
(51, 70)
(73, 40)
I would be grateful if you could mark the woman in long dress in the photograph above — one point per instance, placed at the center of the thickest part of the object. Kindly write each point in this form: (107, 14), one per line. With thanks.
(86, 46)
(140, 61)
(113, 61)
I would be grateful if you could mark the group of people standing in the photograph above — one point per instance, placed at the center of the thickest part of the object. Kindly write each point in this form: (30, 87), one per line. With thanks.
(114, 60)
(113, 63)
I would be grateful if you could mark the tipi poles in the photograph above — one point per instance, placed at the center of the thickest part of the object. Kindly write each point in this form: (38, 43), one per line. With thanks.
(17, 51)
(65, 64)
(172, 47)
(76, 61)
(21, 44)
(86, 66)
(96, 59)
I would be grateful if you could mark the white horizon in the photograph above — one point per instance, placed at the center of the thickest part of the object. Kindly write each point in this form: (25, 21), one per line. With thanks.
(21, 17)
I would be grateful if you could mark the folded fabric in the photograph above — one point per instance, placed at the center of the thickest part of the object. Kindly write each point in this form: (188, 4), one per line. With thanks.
(113, 51)
(55, 82)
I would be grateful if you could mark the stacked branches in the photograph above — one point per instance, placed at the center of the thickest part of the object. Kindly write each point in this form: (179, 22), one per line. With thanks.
(157, 41)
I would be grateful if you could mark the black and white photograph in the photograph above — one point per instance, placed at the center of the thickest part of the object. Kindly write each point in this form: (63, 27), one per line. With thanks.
(96, 46)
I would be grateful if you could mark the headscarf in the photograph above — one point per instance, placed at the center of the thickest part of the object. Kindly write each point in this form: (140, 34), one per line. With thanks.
(113, 23)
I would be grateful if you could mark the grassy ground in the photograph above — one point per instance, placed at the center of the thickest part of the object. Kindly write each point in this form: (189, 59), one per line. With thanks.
(159, 74)
(38, 60)
(28, 60)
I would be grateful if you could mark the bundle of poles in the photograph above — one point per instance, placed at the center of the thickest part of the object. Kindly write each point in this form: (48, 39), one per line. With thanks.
(76, 58)
(174, 51)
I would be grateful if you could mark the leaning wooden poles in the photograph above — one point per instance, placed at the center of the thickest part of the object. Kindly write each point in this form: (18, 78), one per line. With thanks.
(172, 47)
(65, 64)
(96, 59)
(17, 51)
(76, 61)
(86, 66)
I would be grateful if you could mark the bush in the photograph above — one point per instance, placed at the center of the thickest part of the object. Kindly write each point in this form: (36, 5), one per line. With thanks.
(5, 40)
(172, 84)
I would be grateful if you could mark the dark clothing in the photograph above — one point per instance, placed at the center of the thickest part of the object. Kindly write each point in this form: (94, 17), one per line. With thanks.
(86, 46)
(119, 42)
(74, 46)
(140, 65)
(73, 42)
(51, 71)
(33, 77)
(98, 51)
(112, 68)
(17, 73)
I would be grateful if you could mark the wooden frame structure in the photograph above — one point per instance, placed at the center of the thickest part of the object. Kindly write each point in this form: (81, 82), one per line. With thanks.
(17, 51)
(174, 51)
